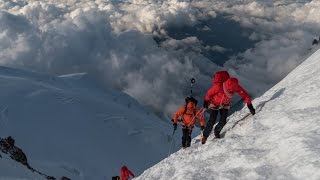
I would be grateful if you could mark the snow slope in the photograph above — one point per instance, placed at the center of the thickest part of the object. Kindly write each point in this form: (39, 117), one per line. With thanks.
(280, 142)
(69, 127)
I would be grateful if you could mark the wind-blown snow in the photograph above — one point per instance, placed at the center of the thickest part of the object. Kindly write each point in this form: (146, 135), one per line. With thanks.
(280, 142)
(113, 42)
(68, 127)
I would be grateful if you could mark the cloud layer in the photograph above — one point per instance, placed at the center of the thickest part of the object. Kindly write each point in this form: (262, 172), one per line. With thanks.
(114, 42)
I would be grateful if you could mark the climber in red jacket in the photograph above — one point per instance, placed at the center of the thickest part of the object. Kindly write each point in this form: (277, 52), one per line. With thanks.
(218, 100)
(126, 173)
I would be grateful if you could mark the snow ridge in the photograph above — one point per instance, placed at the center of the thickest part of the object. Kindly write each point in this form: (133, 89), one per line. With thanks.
(279, 142)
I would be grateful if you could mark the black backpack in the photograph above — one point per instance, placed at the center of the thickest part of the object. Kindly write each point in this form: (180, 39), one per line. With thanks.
(115, 178)
(190, 99)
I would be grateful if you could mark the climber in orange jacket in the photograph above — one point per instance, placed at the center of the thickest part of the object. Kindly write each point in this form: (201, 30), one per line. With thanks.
(189, 114)
(218, 100)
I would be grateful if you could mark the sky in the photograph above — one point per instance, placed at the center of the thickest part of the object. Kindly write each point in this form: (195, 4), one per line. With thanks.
(115, 42)
(279, 142)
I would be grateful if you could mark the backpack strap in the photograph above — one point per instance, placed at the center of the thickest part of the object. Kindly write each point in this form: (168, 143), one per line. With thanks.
(185, 110)
(226, 92)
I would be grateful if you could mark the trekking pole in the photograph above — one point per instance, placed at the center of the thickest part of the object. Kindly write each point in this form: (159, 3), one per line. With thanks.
(192, 82)
(170, 147)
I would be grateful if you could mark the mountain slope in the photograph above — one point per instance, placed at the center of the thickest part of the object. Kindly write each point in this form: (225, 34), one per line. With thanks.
(280, 142)
(68, 127)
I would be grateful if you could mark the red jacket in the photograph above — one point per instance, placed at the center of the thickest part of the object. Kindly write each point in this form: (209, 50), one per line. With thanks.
(125, 173)
(220, 94)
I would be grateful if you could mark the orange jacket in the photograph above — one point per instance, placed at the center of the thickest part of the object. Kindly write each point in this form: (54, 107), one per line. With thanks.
(189, 115)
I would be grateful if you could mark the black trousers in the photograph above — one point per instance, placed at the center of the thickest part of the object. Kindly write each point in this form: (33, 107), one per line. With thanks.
(186, 136)
(213, 117)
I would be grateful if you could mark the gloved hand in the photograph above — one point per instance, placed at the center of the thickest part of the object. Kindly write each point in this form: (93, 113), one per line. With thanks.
(174, 126)
(205, 104)
(202, 128)
(252, 110)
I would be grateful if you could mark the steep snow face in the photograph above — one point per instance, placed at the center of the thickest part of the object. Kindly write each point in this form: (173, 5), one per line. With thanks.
(68, 127)
(280, 142)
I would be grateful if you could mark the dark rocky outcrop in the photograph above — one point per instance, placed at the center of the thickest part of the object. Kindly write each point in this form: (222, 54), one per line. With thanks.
(7, 146)
(315, 42)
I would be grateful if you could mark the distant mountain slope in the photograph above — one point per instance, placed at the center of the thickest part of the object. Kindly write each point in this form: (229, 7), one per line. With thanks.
(68, 127)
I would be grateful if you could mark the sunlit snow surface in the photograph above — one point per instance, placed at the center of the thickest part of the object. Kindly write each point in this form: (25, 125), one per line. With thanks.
(280, 142)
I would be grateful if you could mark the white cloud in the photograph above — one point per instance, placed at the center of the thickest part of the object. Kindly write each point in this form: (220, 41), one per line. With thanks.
(113, 41)
(218, 49)
(85, 42)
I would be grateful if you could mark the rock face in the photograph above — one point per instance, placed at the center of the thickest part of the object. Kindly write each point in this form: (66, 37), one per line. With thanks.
(7, 146)
(315, 42)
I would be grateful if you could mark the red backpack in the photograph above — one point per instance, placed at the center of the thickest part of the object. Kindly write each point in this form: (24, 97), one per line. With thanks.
(220, 77)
